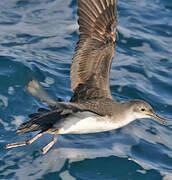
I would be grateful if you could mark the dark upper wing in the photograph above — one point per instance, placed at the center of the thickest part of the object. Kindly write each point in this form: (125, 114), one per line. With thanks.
(95, 49)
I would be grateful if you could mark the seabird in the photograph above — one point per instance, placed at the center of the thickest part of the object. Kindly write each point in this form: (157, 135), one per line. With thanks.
(91, 109)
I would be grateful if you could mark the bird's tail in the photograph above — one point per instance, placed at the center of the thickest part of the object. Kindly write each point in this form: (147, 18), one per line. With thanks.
(40, 121)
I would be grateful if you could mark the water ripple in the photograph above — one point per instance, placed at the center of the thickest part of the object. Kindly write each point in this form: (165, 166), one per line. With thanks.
(38, 40)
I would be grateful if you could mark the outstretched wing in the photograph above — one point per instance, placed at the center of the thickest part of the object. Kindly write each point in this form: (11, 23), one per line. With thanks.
(95, 49)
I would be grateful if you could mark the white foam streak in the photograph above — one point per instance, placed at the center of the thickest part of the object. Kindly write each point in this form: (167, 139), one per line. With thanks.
(11, 90)
(3, 101)
(18, 120)
(6, 126)
(66, 176)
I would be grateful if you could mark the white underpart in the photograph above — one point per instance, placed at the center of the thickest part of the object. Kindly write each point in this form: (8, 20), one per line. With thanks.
(79, 124)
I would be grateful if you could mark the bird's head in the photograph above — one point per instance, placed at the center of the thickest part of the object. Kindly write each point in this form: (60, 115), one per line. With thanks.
(142, 109)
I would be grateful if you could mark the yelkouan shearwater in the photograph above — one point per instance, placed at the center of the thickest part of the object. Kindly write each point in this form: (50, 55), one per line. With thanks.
(91, 109)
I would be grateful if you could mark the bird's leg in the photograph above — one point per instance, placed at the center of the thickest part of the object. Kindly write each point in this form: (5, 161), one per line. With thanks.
(48, 146)
(24, 142)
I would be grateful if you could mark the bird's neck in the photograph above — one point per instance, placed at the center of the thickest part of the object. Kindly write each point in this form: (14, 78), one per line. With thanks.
(122, 115)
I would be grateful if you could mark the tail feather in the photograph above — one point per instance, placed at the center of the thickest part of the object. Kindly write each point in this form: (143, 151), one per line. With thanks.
(40, 121)
(28, 127)
(43, 110)
(34, 115)
(37, 115)
(44, 119)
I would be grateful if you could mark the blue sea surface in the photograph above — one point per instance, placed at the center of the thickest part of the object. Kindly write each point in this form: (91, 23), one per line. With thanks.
(37, 40)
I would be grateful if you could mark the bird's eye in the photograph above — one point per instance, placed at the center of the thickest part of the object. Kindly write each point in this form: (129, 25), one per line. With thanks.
(143, 109)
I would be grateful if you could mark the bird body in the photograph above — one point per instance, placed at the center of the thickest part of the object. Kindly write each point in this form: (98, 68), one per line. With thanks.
(86, 117)
(91, 108)
(77, 122)
(78, 118)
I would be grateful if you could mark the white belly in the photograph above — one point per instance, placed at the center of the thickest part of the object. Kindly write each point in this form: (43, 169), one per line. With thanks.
(89, 123)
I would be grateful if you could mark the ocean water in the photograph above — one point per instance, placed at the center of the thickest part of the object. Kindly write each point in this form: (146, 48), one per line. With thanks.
(37, 40)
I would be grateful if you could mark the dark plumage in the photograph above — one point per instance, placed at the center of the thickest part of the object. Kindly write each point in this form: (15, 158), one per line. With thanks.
(95, 49)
